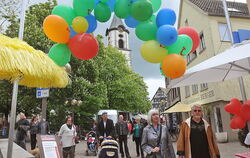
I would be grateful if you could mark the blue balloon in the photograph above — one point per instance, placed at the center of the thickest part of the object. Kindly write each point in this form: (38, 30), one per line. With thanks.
(167, 35)
(72, 32)
(92, 23)
(131, 22)
(111, 4)
(165, 17)
(96, 2)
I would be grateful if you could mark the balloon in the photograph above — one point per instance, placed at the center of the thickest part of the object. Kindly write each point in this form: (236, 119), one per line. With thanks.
(153, 52)
(83, 7)
(233, 107)
(72, 32)
(104, 1)
(165, 17)
(167, 35)
(92, 23)
(174, 66)
(83, 46)
(146, 31)
(96, 2)
(60, 54)
(67, 13)
(111, 4)
(156, 5)
(141, 10)
(102, 12)
(131, 22)
(80, 24)
(192, 34)
(245, 112)
(182, 46)
(237, 122)
(56, 29)
(122, 8)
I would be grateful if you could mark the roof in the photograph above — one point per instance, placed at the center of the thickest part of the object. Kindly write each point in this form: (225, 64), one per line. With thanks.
(215, 8)
(116, 22)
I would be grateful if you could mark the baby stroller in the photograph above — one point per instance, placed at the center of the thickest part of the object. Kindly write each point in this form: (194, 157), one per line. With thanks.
(92, 143)
(109, 149)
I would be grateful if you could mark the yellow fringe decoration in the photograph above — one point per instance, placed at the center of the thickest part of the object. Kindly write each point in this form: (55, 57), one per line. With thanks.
(33, 68)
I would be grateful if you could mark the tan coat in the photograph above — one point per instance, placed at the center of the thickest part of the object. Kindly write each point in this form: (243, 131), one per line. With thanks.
(183, 143)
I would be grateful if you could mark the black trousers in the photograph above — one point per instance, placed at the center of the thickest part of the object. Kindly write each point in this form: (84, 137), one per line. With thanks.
(33, 141)
(138, 146)
(69, 152)
(123, 139)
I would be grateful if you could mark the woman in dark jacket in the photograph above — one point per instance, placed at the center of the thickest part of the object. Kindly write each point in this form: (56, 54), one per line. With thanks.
(33, 131)
(137, 134)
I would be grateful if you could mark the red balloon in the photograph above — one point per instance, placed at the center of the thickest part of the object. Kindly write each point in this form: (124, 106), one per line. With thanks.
(237, 122)
(245, 112)
(193, 34)
(83, 46)
(233, 107)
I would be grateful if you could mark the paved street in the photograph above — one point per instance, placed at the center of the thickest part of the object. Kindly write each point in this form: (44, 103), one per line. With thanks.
(227, 149)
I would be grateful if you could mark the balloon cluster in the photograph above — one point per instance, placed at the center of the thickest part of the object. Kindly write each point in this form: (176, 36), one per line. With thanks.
(71, 28)
(240, 111)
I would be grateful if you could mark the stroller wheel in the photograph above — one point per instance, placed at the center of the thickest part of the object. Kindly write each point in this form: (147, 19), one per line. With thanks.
(95, 153)
(87, 153)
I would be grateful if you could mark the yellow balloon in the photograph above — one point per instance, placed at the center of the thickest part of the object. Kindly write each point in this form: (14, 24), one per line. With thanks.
(153, 52)
(80, 24)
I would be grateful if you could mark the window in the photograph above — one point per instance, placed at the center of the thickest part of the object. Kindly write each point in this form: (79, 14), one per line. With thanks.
(187, 91)
(191, 56)
(195, 88)
(202, 42)
(120, 35)
(186, 22)
(224, 32)
(204, 86)
(121, 43)
(174, 93)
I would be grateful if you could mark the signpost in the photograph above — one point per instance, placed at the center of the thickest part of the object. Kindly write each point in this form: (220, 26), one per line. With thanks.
(49, 146)
(43, 93)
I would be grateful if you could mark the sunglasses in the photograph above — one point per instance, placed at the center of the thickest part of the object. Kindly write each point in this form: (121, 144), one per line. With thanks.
(197, 110)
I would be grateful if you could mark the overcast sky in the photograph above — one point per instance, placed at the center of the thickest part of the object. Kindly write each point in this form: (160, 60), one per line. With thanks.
(149, 71)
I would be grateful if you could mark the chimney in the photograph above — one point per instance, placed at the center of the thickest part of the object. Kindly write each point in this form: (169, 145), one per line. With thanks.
(248, 6)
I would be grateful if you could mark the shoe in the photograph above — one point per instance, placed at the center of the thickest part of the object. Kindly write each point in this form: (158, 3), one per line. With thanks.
(122, 156)
(138, 155)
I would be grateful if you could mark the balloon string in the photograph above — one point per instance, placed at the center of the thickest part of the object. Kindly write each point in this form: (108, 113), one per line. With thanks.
(181, 53)
(89, 11)
(162, 46)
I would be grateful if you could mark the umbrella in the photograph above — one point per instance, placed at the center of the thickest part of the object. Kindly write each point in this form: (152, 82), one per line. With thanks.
(230, 64)
(179, 107)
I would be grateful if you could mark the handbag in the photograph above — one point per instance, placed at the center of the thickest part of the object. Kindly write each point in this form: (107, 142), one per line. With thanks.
(76, 137)
(153, 155)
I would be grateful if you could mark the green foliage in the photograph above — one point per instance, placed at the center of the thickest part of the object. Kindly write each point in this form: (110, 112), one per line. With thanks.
(105, 82)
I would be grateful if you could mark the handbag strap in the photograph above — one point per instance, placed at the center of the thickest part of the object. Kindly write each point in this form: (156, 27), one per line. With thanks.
(159, 140)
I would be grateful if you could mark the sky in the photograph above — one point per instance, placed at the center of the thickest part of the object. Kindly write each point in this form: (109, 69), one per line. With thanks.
(149, 71)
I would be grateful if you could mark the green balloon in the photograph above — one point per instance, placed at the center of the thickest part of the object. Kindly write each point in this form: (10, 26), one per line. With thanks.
(83, 7)
(122, 8)
(146, 31)
(66, 12)
(152, 19)
(182, 46)
(60, 54)
(142, 10)
(104, 0)
(156, 5)
(102, 12)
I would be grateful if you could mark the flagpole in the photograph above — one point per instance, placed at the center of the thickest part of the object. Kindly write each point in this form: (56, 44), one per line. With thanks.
(15, 88)
(240, 79)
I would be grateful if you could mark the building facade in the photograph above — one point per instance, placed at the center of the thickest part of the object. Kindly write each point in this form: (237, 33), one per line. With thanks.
(207, 17)
(118, 37)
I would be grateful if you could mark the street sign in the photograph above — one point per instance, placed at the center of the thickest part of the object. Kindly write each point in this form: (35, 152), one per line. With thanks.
(42, 92)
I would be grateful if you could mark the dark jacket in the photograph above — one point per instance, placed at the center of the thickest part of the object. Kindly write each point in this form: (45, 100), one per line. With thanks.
(43, 127)
(109, 130)
(121, 128)
(141, 126)
(22, 128)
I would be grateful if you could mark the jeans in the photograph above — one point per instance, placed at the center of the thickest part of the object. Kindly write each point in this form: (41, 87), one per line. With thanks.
(69, 152)
(138, 146)
(123, 139)
(33, 141)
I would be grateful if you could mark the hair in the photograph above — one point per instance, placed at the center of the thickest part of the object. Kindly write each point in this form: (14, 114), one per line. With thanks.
(150, 113)
(68, 117)
(33, 118)
(195, 105)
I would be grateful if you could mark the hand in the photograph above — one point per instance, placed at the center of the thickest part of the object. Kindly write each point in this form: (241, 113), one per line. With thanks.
(101, 137)
(109, 137)
(156, 149)
(181, 156)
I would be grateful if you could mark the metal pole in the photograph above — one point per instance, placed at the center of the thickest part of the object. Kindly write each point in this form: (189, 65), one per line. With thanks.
(44, 108)
(12, 119)
(15, 89)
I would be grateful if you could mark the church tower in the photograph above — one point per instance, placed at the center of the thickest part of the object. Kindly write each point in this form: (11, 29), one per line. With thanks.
(118, 37)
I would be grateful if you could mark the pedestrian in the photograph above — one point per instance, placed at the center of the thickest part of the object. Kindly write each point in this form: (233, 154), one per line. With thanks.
(196, 138)
(130, 127)
(5, 127)
(105, 128)
(156, 141)
(121, 128)
(22, 128)
(33, 131)
(43, 127)
(68, 135)
(137, 135)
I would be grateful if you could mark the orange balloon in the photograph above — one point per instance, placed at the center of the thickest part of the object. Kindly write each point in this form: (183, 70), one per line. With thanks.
(174, 66)
(56, 29)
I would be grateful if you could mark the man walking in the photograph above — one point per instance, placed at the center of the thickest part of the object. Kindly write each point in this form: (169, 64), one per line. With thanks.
(105, 128)
(22, 128)
(196, 139)
(122, 133)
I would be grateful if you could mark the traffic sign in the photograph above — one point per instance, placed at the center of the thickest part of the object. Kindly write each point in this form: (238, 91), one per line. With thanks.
(42, 92)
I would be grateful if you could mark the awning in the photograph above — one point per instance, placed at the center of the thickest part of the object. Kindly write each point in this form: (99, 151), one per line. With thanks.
(179, 107)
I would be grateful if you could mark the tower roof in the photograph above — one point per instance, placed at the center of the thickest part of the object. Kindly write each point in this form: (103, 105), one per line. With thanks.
(116, 22)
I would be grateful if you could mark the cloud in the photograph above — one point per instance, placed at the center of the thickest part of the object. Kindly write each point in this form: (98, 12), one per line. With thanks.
(153, 84)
